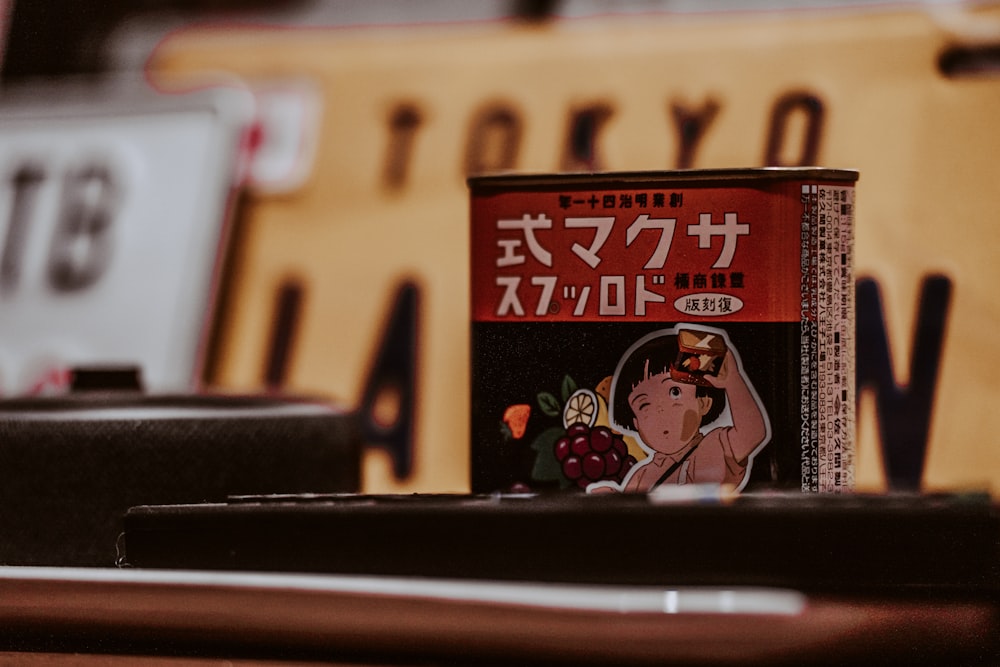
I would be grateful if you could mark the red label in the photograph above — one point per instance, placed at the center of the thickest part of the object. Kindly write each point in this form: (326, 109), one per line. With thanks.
(657, 254)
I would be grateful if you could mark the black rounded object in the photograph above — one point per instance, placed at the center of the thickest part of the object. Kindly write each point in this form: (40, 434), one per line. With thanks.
(71, 466)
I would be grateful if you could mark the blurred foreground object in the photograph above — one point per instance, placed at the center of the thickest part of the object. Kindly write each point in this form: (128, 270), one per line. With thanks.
(71, 466)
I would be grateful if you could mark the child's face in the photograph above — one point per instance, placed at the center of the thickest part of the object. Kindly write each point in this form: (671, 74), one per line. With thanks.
(667, 413)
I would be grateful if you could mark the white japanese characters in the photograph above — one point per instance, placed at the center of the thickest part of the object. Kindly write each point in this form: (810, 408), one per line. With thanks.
(531, 241)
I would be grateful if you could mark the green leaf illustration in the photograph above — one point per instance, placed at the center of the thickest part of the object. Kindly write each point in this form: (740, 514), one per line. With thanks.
(549, 404)
(546, 466)
(568, 387)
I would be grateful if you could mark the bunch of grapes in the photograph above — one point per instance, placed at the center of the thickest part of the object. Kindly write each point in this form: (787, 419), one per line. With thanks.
(593, 454)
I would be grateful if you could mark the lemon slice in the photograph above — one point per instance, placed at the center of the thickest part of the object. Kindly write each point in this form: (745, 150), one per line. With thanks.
(580, 408)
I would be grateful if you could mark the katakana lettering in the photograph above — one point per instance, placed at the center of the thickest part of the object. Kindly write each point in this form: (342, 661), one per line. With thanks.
(666, 227)
(548, 285)
(612, 305)
(581, 303)
(509, 302)
(730, 230)
(602, 230)
(644, 296)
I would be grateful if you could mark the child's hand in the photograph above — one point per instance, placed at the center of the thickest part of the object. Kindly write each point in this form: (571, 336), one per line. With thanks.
(726, 372)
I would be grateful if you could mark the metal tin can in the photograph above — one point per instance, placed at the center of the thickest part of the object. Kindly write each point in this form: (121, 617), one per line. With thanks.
(643, 330)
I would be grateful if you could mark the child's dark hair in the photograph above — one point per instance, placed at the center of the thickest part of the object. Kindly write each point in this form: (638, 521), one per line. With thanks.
(660, 352)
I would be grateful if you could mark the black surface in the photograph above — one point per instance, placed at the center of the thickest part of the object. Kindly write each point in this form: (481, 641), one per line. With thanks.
(67, 478)
(868, 544)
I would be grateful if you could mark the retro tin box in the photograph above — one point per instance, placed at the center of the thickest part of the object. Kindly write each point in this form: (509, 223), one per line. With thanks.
(639, 331)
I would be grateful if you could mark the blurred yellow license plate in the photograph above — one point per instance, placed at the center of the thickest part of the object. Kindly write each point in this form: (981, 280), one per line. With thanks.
(408, 113)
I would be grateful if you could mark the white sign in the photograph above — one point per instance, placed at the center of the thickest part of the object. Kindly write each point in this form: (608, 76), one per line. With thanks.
(113, 212)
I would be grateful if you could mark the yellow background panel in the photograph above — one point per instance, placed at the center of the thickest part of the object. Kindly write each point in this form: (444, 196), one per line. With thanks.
(925, 146)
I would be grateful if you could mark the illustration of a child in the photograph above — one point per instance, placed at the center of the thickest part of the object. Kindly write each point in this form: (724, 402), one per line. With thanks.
(671, 412)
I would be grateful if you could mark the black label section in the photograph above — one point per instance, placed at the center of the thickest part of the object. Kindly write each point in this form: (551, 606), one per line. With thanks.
(524, 376)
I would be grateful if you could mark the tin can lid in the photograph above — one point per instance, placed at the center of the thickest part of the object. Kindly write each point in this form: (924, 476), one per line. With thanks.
(686, 177)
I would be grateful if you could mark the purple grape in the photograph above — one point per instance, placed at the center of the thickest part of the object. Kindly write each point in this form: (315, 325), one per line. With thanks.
(612, 462)
(601, 439)
(593, 466)
(580, 445)
(562, 449)
(577, 429)
(572, 467)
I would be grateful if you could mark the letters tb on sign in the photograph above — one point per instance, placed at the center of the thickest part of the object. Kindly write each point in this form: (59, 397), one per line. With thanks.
(113, 211)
